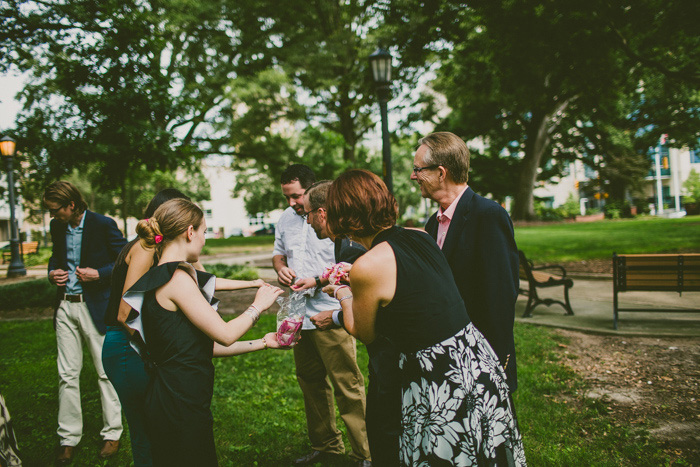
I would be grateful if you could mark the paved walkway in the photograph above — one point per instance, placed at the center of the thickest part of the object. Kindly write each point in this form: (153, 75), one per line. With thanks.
(591, 300)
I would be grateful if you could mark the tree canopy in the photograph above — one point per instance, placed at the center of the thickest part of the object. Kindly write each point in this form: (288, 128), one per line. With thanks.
(145, 85)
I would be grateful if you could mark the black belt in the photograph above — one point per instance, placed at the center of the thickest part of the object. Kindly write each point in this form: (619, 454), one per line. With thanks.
(73, 298)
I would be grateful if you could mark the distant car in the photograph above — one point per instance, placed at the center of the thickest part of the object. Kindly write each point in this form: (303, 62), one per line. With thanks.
(268, 230)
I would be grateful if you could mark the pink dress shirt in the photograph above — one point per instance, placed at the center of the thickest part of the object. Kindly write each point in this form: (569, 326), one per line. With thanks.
(445, 217)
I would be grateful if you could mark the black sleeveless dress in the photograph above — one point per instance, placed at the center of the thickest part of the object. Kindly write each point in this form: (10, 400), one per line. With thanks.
(455, 403)
(178, 397)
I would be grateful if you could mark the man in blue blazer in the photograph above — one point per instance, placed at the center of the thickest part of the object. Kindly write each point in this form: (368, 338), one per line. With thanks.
(85, 246)
(476, 237)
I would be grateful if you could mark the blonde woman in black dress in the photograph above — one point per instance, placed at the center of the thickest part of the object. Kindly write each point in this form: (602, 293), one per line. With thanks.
(182, 332)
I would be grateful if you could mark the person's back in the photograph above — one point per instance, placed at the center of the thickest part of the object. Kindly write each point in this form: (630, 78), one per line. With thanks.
(179, 393)
(426, 307)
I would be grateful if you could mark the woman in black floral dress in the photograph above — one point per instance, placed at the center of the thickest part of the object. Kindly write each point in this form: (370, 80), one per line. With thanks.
(455, 404)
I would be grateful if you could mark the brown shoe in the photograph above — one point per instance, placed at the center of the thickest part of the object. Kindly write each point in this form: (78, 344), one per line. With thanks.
(65, 455)
(109, 449)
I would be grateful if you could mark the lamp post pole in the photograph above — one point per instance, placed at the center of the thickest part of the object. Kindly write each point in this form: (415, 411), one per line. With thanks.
(386, 145)
(380, 62)
(16, 267)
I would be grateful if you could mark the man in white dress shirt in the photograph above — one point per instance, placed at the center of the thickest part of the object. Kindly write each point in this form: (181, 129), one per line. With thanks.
(322, 357)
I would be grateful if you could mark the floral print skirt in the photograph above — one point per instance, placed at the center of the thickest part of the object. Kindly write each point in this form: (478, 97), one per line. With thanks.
(456, 409)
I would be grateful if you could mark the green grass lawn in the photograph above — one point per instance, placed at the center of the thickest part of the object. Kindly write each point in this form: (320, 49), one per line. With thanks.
(590, 240)
(259, 415)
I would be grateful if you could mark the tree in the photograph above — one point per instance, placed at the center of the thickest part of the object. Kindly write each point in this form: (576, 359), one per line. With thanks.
(130, 85)
(522, 74)
(324, 47)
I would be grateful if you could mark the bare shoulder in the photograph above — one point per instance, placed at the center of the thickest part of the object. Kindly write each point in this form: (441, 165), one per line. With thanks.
(140, 253)
(181, 283)
(376, 262)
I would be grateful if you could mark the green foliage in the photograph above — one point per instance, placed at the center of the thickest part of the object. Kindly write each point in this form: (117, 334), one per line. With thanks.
(232, 271)
(545, 213)
(129, 86)
(28, 293)
(41, 256)
(258, 240)
(569, 210)
(571, 207)
(692, 187)
(544, 83)
(587, 240)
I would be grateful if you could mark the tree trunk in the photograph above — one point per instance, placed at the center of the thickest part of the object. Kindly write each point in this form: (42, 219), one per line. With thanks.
(541, 126)
(537, 141)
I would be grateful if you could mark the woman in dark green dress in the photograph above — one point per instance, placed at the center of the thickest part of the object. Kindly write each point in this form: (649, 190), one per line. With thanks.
(182, 332)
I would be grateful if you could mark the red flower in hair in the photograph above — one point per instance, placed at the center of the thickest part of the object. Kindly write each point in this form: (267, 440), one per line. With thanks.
(158, 238)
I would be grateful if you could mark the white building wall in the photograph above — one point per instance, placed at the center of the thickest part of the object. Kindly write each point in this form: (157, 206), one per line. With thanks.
(226, 215)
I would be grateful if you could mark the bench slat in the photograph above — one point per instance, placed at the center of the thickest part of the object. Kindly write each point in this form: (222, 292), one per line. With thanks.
(654, 273)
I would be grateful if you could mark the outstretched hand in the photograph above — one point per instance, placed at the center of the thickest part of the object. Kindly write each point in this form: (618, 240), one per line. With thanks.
(273, 343)
(266, 296)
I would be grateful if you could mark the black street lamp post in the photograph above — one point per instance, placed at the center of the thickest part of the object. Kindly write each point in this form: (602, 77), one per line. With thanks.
(380, 61)
(16, 268)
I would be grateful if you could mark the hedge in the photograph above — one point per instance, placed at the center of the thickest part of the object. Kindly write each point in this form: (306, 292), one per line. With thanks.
(24, 294)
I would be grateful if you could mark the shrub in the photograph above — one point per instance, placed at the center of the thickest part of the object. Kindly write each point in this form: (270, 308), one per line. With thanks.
(692, 187)
(40, 257)
(618, 209)
(29, 293)
(232, 271)
(549, 214)
(571, 207)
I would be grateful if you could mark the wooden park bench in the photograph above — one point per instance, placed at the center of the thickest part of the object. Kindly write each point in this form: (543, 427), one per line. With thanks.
(537, 278)
(25, 248)
(655, 273)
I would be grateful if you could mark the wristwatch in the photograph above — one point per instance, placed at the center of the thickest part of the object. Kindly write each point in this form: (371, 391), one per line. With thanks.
(318, 281)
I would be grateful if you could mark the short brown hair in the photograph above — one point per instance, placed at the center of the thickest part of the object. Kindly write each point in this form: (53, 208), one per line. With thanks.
(64, 193)
(360, 204)
(171, 219)
(448, 150)
(318, 193)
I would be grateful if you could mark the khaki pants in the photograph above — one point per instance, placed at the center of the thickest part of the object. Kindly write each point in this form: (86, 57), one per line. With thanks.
(321, 356)
(73, 322)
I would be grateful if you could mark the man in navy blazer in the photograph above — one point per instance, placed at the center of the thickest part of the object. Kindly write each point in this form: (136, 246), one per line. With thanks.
(476, 237)
(85, 246)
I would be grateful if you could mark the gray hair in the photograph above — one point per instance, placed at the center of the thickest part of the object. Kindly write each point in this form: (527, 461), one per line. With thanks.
(449, 151)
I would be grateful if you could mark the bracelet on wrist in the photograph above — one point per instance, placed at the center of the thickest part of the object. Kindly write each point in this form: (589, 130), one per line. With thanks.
(318, 281)
(253, 313)
(344, 298)
(335, 292)
(264, 343)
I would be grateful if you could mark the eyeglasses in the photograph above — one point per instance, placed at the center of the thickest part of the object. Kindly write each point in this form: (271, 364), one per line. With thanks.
(55, 210)
(306, 214)
(417, 170)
